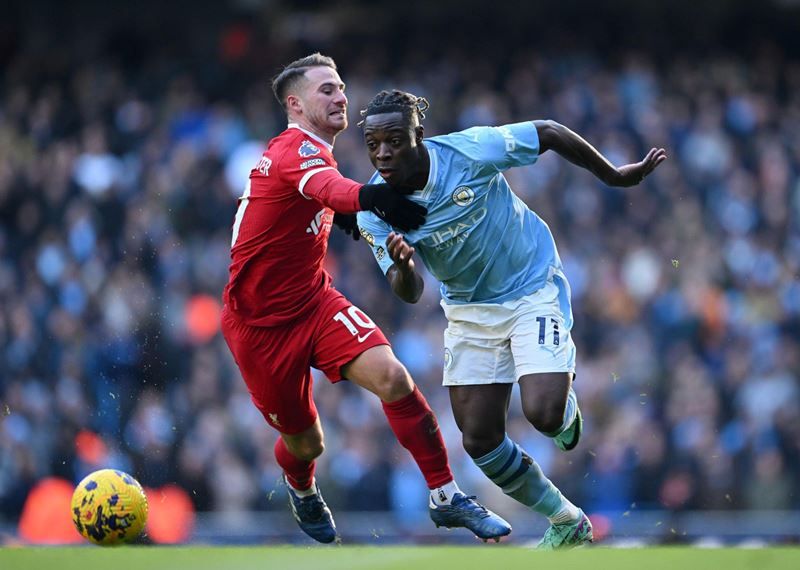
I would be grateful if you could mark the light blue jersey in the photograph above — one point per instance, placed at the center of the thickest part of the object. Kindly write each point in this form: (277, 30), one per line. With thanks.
(479, 240)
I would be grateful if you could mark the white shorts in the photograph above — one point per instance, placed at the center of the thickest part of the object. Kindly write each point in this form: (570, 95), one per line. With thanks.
(488, 343)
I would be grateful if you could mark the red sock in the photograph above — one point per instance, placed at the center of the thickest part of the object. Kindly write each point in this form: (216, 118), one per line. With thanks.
(416, 428)
(299, 473)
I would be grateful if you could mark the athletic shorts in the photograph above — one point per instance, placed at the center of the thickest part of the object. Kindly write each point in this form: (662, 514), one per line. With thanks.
(276, 362)
(487, 343)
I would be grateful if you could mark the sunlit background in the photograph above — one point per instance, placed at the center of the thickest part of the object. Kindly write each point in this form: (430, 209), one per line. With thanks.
(128, 129)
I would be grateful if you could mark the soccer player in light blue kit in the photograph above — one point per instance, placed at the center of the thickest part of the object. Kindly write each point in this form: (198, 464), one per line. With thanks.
(504, 293)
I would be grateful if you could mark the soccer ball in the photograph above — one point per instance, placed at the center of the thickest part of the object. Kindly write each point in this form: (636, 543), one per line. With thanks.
(109, 507)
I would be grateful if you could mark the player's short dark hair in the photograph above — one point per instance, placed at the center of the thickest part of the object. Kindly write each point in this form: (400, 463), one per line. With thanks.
(395, 101)
(294, 72)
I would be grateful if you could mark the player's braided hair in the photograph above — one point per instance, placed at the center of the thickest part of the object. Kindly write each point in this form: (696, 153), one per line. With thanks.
(396, 101)
(293, 72)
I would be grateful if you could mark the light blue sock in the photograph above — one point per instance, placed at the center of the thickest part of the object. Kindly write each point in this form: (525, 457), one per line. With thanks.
(518, 475)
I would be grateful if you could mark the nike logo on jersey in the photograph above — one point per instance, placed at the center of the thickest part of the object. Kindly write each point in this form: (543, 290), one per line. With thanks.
(365, 337)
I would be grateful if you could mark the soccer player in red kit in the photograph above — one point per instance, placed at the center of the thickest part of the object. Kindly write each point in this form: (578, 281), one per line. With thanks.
(282, 315)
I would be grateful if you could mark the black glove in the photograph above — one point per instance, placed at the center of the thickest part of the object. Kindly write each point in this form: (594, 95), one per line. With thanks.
(391, 206)
(347, 222)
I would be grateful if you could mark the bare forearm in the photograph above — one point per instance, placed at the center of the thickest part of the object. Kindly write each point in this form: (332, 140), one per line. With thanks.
(574, 148)
(406, 285)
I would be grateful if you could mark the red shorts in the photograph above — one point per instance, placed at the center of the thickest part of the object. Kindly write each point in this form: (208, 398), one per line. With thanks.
(276, 362)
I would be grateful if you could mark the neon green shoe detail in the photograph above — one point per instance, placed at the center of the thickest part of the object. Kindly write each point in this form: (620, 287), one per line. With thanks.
(567, 535)
(570, 437)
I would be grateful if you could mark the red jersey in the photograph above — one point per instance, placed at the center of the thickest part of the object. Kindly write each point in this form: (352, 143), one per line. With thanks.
(281, 229)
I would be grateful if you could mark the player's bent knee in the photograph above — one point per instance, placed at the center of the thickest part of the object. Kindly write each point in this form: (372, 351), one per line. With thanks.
(395, 383)
(478, 445)
(311, 452)
(306, 450)
(545, 418)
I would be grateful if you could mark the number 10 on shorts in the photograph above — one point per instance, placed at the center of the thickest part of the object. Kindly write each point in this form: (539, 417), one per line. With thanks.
(355, 316)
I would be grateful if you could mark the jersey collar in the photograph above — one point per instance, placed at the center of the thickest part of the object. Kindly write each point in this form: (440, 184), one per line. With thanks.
(312, 135)
(433, 172)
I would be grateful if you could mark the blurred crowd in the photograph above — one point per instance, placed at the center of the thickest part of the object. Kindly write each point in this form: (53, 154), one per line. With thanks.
(118, 186)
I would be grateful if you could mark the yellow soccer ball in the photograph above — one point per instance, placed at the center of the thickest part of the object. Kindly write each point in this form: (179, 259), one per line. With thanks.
(109, 507)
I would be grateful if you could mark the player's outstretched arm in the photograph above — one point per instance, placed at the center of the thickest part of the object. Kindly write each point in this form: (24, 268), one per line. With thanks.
(392, 206)
(405, 281)
(346, 196)
(555, 136)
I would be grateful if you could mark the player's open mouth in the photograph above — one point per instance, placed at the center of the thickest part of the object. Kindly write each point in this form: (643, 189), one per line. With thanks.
(337, 114)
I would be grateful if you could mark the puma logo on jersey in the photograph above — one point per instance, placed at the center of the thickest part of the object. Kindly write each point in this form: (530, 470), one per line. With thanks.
(263, 165)
(319, 222)
(307, 149)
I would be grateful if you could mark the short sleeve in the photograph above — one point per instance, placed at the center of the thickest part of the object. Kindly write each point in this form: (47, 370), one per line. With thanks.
(501, 147)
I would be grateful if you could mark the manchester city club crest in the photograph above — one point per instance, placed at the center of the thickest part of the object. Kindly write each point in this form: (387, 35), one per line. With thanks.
(307, 149)
(448, 359)
(463, 196)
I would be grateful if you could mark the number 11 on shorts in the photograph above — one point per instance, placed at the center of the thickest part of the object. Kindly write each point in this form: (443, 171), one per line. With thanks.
(542, 323)
(355, 316)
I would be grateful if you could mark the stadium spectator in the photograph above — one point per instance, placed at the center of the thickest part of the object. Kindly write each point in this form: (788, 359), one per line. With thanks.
(686, 295)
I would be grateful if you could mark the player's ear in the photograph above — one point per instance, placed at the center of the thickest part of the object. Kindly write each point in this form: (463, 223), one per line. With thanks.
(419, 132)
(294, 104)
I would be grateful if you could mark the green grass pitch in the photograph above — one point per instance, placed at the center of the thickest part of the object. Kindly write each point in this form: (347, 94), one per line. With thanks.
(490, 557)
